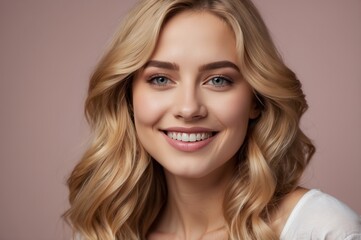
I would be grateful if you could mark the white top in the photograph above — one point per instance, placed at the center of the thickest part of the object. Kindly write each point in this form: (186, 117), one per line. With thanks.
(319, 216)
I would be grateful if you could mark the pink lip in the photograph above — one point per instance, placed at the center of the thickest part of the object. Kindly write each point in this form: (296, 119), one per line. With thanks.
(188, 146)
(188, 130)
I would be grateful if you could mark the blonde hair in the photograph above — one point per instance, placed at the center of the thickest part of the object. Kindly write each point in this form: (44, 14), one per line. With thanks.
(117, 190)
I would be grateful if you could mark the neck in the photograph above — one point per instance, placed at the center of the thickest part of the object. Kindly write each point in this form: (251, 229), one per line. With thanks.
(194, 206)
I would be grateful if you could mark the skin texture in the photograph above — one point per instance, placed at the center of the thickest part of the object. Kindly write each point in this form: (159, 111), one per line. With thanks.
(181, 86)
(189, 98)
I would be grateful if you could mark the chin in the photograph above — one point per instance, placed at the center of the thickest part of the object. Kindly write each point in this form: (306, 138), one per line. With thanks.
(197, 171)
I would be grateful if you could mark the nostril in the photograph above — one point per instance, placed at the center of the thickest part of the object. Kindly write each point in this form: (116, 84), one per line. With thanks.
(191, 114)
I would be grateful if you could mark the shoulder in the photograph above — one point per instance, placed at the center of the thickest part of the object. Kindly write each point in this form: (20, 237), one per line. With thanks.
(318, 215)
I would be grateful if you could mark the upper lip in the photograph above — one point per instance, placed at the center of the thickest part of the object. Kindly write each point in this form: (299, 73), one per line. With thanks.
(188, 129)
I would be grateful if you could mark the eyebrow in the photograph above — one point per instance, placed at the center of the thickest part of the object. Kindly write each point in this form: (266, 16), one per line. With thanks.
(161, 64)
(217, 65)
(205, 67)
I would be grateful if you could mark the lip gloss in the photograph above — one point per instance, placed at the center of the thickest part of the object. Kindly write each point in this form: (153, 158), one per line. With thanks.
(188, 146)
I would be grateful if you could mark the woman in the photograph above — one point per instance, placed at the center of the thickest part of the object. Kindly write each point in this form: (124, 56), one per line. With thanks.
(196, 134)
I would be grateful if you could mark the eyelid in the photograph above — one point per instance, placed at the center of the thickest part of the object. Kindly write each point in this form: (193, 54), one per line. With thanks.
(150, 78)
(226, 78)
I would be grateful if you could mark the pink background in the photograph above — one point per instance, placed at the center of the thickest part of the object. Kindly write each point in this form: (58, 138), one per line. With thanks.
(49, 48)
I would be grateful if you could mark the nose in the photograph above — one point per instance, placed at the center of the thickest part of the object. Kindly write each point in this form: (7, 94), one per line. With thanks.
(188, 104)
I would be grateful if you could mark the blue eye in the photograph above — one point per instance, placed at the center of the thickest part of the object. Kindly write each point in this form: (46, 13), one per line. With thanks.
(159, 81)
(219, 81)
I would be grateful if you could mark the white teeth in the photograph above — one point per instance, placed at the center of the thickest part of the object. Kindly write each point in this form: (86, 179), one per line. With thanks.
(189, 137)
(192, 137)
(185, 137)
(198, 136)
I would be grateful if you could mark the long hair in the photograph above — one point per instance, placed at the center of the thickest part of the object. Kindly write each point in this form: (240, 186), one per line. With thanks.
(117, 190)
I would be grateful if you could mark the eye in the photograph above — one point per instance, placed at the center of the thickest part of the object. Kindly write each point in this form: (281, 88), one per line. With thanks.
(160, 81)
(219, 81)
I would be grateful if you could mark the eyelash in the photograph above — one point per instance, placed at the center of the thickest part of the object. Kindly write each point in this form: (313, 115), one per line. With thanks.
(152, 80)
(221, 77)
(225, 81)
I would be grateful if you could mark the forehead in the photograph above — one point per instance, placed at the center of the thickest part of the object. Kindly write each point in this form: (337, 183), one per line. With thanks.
(196, 34)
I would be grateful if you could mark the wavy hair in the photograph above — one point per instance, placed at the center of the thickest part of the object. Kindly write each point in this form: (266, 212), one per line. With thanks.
(117, 190)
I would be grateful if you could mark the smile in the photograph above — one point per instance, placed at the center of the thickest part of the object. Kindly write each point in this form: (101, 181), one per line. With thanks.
(189, 137)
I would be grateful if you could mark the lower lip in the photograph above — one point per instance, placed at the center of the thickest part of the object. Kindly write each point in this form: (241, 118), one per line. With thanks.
(188, 146)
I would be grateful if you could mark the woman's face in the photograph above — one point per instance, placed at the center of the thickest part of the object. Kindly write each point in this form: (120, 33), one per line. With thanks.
(191, 105)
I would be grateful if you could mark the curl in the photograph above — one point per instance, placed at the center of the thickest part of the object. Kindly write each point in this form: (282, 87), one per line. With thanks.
(117, 190)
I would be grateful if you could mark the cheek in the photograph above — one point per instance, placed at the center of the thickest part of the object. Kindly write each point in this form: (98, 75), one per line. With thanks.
(147, 106)
(233, 115)
(233, 110)
(144, 110)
